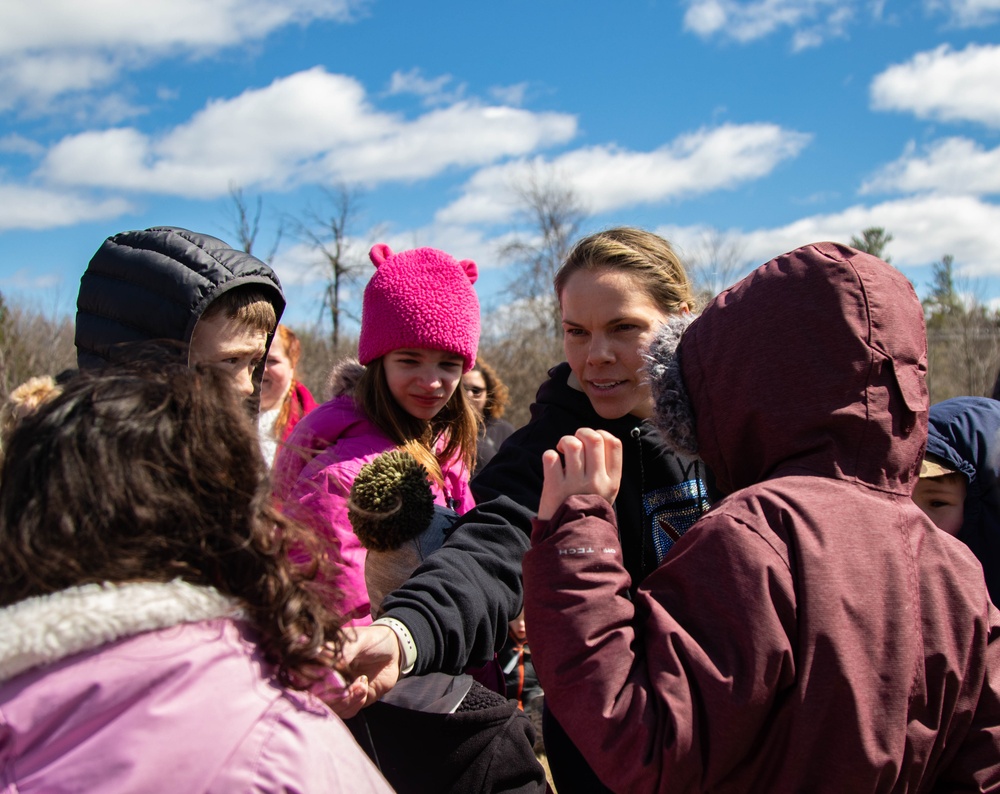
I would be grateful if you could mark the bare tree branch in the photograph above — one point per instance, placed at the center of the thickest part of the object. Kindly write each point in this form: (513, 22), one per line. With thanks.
(32, 343)
(963, 335)
(552, 213)
(716, 264)
(246, 227)
(328, 233)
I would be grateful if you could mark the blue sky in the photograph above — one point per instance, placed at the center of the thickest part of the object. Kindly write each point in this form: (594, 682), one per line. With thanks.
(765, 124)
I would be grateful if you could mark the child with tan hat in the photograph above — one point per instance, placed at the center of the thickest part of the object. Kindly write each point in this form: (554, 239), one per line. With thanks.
(959, 486)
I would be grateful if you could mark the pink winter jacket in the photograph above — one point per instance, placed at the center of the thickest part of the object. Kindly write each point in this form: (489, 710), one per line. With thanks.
(313, 474)
(148, 687)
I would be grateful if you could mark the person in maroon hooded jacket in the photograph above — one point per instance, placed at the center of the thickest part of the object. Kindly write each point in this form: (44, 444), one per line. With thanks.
(813, 631)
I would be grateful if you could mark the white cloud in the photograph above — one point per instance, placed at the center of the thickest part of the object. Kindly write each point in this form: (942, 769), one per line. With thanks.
(157, 25)
(14, 143)
(37, 208)
(39, 78)
(806, 40)
(705, 17)
(923, 228)
(811, 21)
(968, 13)
(605, 178)
(309, 127)
(944, 85)
(431, 90)
(166, 93)
(50, 47)
(510, 94)
(466, 134)
(29, 279)
(952, 165)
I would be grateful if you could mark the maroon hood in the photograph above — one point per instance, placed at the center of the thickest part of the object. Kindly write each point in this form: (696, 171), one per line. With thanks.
(815, 363)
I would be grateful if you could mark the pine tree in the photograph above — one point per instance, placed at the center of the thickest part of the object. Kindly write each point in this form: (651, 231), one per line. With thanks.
(873, 240)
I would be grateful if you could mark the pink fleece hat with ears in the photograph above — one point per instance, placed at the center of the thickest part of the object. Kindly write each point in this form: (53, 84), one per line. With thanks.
(420, 298)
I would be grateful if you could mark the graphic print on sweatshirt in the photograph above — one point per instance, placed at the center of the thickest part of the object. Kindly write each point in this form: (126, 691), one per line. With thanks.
(672, 511)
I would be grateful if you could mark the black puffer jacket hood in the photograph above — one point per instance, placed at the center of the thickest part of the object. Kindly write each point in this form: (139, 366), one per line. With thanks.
(155, 284)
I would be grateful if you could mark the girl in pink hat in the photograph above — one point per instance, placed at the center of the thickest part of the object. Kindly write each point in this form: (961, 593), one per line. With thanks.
(419, 334)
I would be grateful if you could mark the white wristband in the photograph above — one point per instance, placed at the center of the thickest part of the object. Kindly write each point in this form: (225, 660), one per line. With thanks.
(407, 647)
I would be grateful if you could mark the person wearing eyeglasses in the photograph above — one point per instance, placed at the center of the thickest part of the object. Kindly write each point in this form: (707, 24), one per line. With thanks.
(489, 396)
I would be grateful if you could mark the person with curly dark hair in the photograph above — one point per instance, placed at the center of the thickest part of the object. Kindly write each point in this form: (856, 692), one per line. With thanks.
(489, 396)
(155, 629)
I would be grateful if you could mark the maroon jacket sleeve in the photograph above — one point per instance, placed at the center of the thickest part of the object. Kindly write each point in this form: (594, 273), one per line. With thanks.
(673, 691)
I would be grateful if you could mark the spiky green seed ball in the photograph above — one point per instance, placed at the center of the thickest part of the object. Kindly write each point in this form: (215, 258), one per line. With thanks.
(390, 501)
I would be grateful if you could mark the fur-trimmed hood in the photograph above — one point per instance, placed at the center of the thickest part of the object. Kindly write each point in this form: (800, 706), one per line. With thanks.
(815, 363)
(674, 416)
(46, 629)
(343, 378)
(158, 686)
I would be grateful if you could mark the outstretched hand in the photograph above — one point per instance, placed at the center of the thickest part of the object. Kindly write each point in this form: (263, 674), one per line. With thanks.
(591, 463)
(370, 660)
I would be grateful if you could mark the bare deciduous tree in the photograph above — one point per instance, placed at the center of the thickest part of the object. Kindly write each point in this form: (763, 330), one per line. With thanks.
(521, 355)
(328, 232)
(32, 343)
(963, 336)
(246, 228)
(551, 213)
(716, 264)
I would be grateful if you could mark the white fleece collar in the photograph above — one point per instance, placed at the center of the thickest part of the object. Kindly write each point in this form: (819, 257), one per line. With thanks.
(44, 629)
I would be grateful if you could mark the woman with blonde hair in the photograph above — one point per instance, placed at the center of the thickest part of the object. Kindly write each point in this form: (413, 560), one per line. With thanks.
(616, 289)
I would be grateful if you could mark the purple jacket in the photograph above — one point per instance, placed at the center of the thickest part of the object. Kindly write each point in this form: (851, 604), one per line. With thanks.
(813, 631)
(147, 687)
(313, 474)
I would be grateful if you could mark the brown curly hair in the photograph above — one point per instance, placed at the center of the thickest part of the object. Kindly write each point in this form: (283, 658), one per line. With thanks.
(497, 393)
(143, 473)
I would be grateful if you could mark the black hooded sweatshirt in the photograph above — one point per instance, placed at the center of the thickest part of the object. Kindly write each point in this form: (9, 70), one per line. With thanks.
(458, 603)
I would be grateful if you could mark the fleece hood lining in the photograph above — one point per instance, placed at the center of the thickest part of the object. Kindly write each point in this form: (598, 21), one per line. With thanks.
(45, 629)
